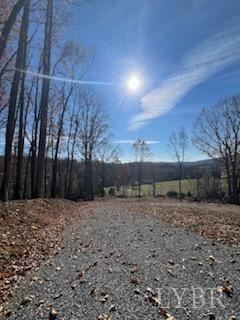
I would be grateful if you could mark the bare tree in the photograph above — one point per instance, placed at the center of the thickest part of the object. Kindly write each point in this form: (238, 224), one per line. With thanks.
(25, 99)
(24, 104)
(107, 153)
(4, 193)
(9, 25)
(71, 148)
(141, 150)
(178, 143)
(217, 134)
(64, 102)
(68, 64)
(92, 132)
(44, 98)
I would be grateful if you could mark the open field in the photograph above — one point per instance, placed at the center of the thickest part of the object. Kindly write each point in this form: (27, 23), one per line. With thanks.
(162, 188)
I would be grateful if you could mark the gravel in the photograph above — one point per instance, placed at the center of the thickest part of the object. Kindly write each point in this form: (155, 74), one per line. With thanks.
(130, 266)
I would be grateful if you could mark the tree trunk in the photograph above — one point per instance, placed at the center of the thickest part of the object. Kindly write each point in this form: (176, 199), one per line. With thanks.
(33, 166)
(26, 175)
(4, 68)
(4, 193)
(69, 188)
(228, 178)
(22, 126)
(9, 24)
(139, 179)
(60, 184)
(44, 99)
(45, 175)
(20, 147)
(235, 197)
(180, 182)
(86, 179)
(55, 162)
(68, 159)
(91, 196)
(103, 179)
(34, 137)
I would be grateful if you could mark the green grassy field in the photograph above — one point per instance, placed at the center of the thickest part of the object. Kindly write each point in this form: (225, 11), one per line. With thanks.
(162, 188)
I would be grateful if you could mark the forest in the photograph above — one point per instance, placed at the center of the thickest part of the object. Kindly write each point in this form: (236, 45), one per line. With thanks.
(46, 120)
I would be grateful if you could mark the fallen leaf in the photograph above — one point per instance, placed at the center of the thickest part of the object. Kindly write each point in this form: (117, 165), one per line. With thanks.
(57, 296)
(154, 300)
(211, 315)
(170, 270)
(73, 284)
(40, 302)
(151, 291)
(103, 297)
(80, 274)
(166, 315)
(197, 246)
(26, 300)
(92, 290)
(137, 291)
(112, 307)
(53, 314)
(193, 258)
(212, 259)
(227, 289)
(134, 280)
(187, 312)
(134, 269)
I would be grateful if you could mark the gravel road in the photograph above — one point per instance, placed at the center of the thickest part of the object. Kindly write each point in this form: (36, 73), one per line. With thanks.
(120, 265)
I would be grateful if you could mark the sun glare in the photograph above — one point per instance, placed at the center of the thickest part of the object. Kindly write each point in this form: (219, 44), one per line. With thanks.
(133, 83)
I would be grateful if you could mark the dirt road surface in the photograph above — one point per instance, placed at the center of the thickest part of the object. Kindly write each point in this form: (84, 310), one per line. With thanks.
(122, 265)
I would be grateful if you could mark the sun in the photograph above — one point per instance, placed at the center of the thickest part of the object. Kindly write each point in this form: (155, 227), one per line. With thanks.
(133, 83)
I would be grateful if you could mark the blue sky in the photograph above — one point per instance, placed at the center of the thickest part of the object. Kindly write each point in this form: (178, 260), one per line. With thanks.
(186, 52)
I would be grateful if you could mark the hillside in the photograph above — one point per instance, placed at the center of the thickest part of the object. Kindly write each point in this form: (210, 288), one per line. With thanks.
(127, 173)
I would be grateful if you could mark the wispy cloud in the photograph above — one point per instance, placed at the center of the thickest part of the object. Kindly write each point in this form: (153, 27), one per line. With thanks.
(209, 57)
(133, 141)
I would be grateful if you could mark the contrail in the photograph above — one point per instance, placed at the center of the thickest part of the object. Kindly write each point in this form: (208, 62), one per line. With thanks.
(45, 76)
